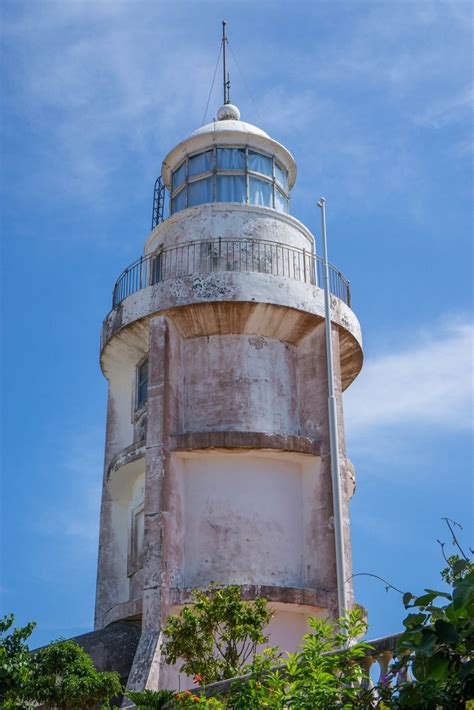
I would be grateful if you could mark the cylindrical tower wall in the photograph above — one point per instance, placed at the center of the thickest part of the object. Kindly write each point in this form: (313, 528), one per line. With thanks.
(217, 465)
(225, 221)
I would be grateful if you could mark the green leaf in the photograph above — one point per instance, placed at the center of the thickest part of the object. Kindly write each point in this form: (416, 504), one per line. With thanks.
(414, 620)
(447, 632)
(425, 599)
(438, 593)
(428, 641)
(459, 566)
(463, 591)
(407, 597)
(437, 667)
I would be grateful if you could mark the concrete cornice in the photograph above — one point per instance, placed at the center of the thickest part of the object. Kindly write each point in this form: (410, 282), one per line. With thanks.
(243, 440)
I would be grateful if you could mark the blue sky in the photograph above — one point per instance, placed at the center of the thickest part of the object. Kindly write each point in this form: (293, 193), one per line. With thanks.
(375, 102)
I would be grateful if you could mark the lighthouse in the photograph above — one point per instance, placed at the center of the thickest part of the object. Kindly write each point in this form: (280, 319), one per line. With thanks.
(217, 454)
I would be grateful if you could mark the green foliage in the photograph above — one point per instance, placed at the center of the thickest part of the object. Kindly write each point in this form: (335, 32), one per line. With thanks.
(217, 635)
(189, 700)
(64, 677)
(151, 699)
(438, 646)
(15, 662)
(314, 678)
(61, 675)
(457, 567)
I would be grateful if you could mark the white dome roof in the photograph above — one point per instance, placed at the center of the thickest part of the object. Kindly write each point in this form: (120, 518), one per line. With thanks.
(228, 129)
(224, 126)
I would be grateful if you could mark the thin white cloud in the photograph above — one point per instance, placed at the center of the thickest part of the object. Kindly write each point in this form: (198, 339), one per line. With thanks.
(447, 110)
(83, 462)
(125, 85)
(78, 466)
(428, 383)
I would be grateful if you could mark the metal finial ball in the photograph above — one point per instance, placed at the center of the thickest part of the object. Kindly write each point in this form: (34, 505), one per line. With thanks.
(228, 112)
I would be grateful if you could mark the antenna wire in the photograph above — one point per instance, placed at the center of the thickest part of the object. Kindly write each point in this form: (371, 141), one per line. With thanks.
(212, 85)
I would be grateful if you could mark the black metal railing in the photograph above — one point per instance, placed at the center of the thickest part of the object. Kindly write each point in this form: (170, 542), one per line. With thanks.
(217, 255)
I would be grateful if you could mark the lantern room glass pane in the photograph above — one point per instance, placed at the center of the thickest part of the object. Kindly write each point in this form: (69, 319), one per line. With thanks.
(260, 163)
(178, 176)
(260, 192)
(231, 188)
(199, 192)
(281, 176)
(201, 163)
(231, 158)
(179, 201)
(281, 203)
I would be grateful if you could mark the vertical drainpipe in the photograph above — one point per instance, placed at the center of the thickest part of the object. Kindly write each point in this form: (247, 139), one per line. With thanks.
(333, 432)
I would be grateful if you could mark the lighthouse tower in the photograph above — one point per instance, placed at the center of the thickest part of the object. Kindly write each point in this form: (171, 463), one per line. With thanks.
(217, 455)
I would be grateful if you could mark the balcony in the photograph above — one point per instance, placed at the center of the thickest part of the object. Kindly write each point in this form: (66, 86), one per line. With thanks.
(219, 255)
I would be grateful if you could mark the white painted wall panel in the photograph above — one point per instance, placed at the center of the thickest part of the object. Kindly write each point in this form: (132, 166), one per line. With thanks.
(243, 520)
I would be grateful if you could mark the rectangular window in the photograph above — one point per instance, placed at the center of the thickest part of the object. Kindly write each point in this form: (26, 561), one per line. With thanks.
(139, 532)
(260, 163)
(231, 158)
(136, 537)
(201, 163)
(199, 192)
(142, 383)
(281, 203)
(178, 176)
(281, 176)
(230, 188)
(179, 201)
(156, 269)
(260, 192)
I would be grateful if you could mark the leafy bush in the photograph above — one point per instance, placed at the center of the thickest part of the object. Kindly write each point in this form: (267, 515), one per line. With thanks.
(217, 635)
(316, 677)
(437, 646)
(63, 676)
(151, 699)
(60, 675)
(15, 662)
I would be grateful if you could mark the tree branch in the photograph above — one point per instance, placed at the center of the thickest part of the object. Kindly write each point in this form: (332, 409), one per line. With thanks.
(451, 524)
(376, 576)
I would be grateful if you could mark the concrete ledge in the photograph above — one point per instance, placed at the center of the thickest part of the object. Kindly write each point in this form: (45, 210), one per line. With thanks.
(298, 596)
(232, 302)
(243, 440)
(131, 453)
(127, 610)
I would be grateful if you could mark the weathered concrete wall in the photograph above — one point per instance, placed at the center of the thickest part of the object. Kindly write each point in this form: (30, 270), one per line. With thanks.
(236, 538)
(113, 580)
(112, 648)
(237, 383)
(243, 383)
(236, 461)
(226, 221)
(229, 302)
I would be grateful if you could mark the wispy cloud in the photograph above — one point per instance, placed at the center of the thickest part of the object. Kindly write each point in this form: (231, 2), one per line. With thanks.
(448, 110)
(94, 76)
(428, 383)
(78, 465)
(83, 462)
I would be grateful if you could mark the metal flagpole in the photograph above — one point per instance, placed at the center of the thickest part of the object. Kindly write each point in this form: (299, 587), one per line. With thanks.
(333, 431)
(224, 64)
